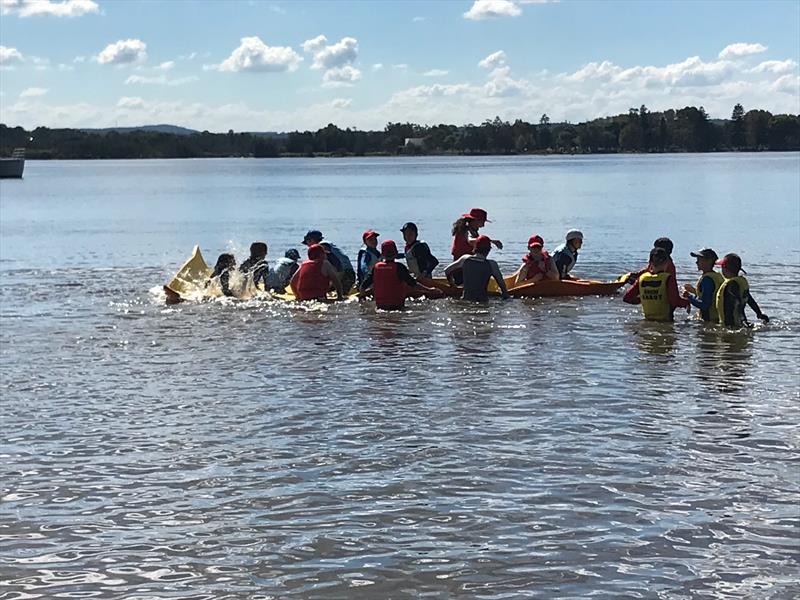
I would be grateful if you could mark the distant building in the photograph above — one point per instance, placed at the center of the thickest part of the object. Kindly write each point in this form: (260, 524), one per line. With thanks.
(416, 142)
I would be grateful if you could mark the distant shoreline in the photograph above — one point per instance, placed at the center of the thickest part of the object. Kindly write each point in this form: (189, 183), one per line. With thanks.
(323, 156)
(640, 131)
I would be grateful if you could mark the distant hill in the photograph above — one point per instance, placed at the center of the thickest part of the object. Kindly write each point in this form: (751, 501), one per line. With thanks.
(176, 130)
(173, 129)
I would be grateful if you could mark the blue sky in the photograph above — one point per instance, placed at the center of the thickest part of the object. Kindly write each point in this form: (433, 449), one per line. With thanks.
(269, 65)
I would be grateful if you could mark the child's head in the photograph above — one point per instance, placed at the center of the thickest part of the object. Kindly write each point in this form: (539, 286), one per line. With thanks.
(483, 245)
(316, 252)
(389, 250)
(292, 254)
(658, 260)
(258, 250)
(477, 217)
(574, 238)
(535, 245)
(665, 243)
(731, 264)
(314, 236)
(410, 232)
(705, 259)
(225, 261)
(370, 238)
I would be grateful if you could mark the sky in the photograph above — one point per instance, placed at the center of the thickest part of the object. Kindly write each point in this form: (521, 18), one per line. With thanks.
(269, 65)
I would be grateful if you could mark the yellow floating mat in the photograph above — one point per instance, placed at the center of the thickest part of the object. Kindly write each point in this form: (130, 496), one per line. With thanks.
(540, 289)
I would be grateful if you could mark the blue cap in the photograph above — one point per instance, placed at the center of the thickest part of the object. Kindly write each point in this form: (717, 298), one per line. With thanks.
(314, 235)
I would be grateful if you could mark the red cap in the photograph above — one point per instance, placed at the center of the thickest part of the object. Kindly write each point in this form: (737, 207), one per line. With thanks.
(535, 240)
(476, 214)
(483, 244)
(732, 261)
(316, 252)
(389, 249)
(368, 234)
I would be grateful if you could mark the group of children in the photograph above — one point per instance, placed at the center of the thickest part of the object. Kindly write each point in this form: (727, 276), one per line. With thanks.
(719, 297)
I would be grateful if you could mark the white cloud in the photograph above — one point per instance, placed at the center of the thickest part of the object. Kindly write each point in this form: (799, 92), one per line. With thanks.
(418, 19)
(329, 56)
(377, 67)
(495, 59)
(491, 9)
(10, 56)
(341, 76)
(501, 83)
(33, 92)
(130, 102)
(79, 59)
(253, 55)
(778, 67)
(39, 8)
(435, 73)
(690, 72)
(400, 67)
(788, 84)
(123, 52)
(341, 103)
(741, 49)
(190, 56)
(159, 80)
(166, 66)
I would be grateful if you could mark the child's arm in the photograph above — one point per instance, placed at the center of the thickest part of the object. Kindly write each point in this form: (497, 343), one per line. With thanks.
(632, 295)
(704, 299)
(752, 304)
(498, 277)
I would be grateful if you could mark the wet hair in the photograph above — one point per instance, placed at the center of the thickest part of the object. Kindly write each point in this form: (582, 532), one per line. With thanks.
(258, 249)
(658, 256)
(665, 243)
(292, 254)
(461, 225)
(224, 261)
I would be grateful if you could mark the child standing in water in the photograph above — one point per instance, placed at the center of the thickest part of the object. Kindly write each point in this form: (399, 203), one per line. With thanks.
(704, 295)
(734, 294)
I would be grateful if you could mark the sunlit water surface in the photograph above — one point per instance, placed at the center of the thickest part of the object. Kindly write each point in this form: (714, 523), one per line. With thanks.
(534, 448)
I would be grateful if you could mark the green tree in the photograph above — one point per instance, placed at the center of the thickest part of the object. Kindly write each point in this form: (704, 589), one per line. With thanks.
(737, 138)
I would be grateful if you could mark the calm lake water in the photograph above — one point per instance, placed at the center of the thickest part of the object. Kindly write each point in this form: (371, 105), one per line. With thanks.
(550, 448)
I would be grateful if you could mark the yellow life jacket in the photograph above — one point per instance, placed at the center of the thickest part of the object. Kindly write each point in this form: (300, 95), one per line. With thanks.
(711, 314)
(653, 294)
(738, 311)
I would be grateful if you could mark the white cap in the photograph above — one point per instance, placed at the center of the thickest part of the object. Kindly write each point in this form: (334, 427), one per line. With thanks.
(574, 234)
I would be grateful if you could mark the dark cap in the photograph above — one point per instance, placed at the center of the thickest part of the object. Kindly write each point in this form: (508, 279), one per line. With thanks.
(409, 225)
(706, 253)
(292, 254)
(658, 256)
(313, 236)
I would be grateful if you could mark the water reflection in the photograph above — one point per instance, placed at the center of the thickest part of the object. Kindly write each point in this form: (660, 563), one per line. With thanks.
(654, 338)
(723, 358)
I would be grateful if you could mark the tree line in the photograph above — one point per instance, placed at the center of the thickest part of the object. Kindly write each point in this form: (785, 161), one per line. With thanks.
(640, 130)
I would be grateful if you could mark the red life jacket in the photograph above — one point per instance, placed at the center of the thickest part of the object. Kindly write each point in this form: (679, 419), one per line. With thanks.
(390, 291)
(312, 283)
(535, 267)
(461, 245)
